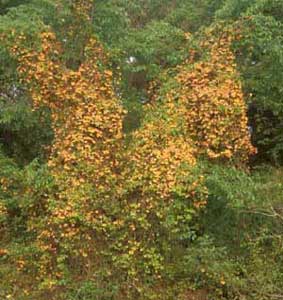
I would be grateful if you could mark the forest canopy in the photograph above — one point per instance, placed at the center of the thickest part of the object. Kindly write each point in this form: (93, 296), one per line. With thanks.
(141, 149)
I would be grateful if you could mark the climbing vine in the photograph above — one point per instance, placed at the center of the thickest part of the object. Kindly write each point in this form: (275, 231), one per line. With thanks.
(209, 97)
(110, 210)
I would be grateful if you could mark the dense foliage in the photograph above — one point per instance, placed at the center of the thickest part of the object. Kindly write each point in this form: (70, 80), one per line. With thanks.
(141, 149)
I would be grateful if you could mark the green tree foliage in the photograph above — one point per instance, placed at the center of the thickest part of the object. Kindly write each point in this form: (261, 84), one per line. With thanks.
(244, 216)
(5, 5)
(259, 59)
(23, 132)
